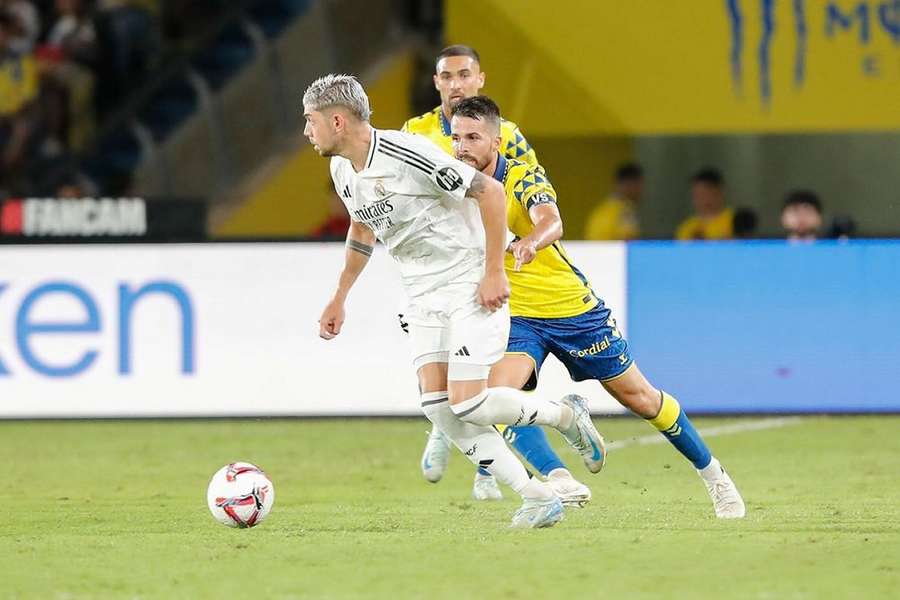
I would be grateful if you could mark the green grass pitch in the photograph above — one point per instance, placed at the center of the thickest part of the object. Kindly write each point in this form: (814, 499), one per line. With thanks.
(117, 510)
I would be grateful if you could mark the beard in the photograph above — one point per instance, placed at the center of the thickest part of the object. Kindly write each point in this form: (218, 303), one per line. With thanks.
(474, 162)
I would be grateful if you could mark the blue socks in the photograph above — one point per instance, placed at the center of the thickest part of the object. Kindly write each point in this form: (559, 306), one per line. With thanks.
(674, 424)
(531, 442)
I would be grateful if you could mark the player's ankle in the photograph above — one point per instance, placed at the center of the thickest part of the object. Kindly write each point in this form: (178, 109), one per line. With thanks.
(566, 418)
(536, 489)
(559, 472)
(711, 471)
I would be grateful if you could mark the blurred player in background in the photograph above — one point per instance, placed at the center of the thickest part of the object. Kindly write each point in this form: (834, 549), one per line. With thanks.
(555, 311)
(458, 75)
(713, 218)
(406, 192)
(616, 217)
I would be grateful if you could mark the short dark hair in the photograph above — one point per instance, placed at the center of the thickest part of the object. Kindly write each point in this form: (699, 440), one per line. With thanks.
(710, 176)
(458, 50)
(629, 172)
(808, 197)
(480, 108)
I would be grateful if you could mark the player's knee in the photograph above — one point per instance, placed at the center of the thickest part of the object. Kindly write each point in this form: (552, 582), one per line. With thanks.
(642, 399)
(472, 409)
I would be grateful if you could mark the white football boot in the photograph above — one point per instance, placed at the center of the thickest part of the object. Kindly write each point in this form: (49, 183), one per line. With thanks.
(583, 436)
(486, 488)
(572, 493)
(436, 456)
(724, 494)
(535, 514)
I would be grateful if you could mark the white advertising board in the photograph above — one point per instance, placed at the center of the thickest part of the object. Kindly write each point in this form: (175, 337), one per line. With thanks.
(219, 330)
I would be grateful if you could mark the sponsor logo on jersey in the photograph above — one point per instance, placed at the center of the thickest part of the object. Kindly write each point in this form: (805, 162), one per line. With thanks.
(448, 179)
(375, 215)
(594, 349)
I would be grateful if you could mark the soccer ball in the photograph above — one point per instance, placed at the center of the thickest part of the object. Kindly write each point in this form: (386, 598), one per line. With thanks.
(240, 495)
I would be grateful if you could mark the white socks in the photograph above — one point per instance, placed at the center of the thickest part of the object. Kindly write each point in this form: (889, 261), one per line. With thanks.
(483, 446)
(508, 406)
(712, 471)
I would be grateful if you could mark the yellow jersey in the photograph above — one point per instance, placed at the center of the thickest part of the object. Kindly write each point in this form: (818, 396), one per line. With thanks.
(549, 287)
(435, 126)
(612, 219)
(18, 83)
(720, 227)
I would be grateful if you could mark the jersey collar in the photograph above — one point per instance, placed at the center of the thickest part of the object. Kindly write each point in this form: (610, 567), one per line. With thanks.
(373, 141)
(445, 124)
(500, 171)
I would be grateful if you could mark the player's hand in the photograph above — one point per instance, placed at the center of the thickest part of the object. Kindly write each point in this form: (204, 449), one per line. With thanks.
(524, 251)
(332, 320)
(493, 292)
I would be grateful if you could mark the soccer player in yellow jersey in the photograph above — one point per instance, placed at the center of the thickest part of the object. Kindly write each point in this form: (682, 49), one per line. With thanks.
(458, 75)
(555, 311)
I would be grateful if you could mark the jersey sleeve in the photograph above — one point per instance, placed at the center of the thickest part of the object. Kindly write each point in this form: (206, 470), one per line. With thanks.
(515, 146)
(439, 172)
(533, 187)
(339, 186)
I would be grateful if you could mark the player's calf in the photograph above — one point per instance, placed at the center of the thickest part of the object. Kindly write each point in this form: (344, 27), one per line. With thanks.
(507, 406)
(485, 447)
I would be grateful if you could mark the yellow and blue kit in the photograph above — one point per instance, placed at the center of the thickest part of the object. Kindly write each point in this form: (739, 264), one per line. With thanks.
(435, 126)
(529, 440)
(555, 311)
(553, 307)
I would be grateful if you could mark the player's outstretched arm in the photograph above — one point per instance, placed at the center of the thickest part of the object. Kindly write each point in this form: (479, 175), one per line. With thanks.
(494, 289)
(360, 244)
(548, 229)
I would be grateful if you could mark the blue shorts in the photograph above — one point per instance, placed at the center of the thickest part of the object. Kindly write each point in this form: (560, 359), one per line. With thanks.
(589, 345)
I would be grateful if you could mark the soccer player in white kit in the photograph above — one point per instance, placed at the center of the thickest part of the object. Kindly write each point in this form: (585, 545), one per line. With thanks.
(445, 224)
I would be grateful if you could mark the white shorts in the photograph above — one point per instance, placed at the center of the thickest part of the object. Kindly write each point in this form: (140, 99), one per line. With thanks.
(449, 326)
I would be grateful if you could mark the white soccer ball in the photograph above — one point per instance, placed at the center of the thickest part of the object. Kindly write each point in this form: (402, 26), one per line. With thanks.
(240, 495)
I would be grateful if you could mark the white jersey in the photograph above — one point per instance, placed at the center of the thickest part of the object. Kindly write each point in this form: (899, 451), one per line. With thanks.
(413, 196)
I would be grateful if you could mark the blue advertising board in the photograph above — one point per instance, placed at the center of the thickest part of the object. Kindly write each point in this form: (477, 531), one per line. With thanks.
(768, 326)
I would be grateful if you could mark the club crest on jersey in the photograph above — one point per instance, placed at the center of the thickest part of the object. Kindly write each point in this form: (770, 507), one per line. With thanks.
(380, 191)
(448, 179)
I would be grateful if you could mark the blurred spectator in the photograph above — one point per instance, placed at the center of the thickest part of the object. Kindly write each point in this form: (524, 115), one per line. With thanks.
(615, 218)
(74, 185)
(801, 216)
(18, 93)
(129, 38)
(713, 219)
(744, 223)
(26, 24)
(842, 227)
(337, 223)
(67, 59)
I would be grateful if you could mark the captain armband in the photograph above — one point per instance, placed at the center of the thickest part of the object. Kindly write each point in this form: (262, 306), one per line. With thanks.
(539, 198)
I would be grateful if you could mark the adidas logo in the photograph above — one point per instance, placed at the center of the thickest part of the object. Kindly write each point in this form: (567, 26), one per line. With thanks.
(462, 352)
(484, 463)
(346, 192)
